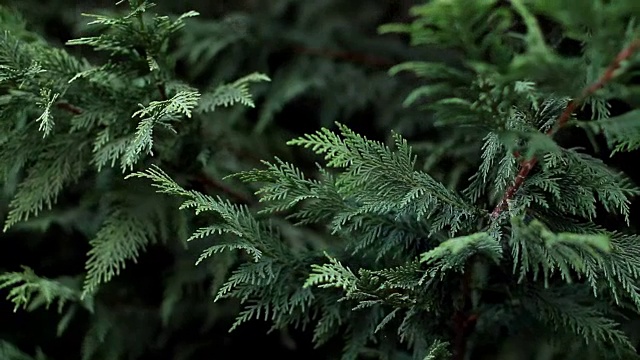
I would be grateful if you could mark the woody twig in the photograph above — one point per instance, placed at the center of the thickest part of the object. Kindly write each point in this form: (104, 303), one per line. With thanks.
(527, 166)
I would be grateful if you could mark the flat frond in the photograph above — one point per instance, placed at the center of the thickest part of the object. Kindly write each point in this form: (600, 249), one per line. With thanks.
(120, 239)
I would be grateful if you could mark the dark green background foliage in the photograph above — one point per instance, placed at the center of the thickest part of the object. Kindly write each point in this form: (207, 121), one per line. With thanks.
(330, 179)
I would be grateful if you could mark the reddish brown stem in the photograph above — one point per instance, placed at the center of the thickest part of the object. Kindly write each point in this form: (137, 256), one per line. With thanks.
(163, 92)
(69, 108)
(78, 111)
(464, 320)
(605, 78)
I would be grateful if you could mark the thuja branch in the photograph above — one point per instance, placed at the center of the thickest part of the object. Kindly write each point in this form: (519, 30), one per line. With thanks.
(527, 165)
(204, 179)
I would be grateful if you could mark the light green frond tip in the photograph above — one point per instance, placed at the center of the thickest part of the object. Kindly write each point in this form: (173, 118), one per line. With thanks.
(439, 350)
(161, 180)
(601, 242)
(456, 251)
(27, 290)
(157, 113)
(181, 103)
(328, 143)
(254, 252)
(230, 94)
(46, 119)
(333, 274)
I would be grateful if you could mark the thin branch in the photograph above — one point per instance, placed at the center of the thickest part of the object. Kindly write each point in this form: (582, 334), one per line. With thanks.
(78, 111)
(69, 108)
(464, 320)
(210, 182)
(203, 179)
(526, 166)
(163, 91)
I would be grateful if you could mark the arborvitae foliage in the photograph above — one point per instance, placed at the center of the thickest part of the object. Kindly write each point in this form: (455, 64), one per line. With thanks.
(440, 271)
(72, 128)
(401, 264)
(91, 117)
(131, 89)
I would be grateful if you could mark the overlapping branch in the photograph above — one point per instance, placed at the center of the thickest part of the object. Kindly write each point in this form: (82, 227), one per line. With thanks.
(207, 181)
(526, 166)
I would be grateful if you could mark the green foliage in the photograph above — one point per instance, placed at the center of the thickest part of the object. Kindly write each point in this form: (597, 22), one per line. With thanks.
(533, 245)
(101, 125)
(30, 290)
(621, 131)
(511, 91)
(10, 352)
(68, 123)
(491, 228)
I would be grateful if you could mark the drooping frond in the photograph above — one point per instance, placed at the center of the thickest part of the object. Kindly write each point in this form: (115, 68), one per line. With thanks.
(28, 290)
(561, 309)
(122, 238)
(235, 220)
(47, 178)
(622, 132)
(570, 181)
